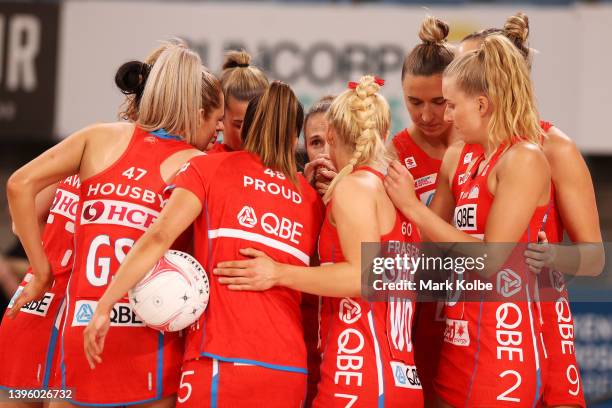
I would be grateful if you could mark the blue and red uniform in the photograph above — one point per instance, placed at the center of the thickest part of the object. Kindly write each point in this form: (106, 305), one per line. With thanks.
(117, 206)
(28, 343)
(562, 383)
(491, 355)
(367, 351)
(429, 319)
(248, 347)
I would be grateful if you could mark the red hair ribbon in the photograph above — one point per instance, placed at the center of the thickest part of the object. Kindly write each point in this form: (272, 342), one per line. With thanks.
(379, 82)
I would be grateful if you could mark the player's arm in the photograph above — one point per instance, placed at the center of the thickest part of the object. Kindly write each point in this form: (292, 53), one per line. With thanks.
(349, 211)
(182, 209)
(61, 161)
(443, 203)
(521, 179)
(575, 198)
(43, 203)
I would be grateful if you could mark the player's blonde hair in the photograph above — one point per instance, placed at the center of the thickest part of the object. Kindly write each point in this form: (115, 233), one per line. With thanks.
(176, 88)
(241, 80)
(271, 126)
(361, 119)
(434, 54)
(498, 70)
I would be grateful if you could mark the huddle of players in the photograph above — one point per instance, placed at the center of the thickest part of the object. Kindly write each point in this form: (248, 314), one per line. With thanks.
(255, 223)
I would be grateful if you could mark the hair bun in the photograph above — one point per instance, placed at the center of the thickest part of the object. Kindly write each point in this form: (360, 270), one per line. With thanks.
(367, 86)
(517, 27)
(237, 59)
(131, 77)
(433, 30)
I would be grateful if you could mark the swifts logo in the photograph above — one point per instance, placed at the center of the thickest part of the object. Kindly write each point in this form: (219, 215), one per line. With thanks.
(349, 311)
(111, 212)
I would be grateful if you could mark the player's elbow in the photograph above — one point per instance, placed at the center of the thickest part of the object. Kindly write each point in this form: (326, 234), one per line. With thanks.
(157, 236)
(16, 184)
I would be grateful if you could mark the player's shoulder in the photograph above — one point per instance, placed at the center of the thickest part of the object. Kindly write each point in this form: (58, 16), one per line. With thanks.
(217, 159)
(111, 127)
(557, 145)
(523, 157)
(358, 183)
(454, 150)
(103, 131)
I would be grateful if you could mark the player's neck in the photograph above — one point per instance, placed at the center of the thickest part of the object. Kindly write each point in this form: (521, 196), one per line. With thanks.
(433, 146)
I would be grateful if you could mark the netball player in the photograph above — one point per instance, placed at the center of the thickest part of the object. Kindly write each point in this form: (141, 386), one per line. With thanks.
(574, 210)
(367, 357)
(507, 191)
(420, 148)
(241, 82)
(28, 336)
(124, 168)
(248, 348)
(319, 171)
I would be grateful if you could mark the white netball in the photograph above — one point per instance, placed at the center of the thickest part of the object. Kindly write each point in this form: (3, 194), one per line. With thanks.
(173, 294)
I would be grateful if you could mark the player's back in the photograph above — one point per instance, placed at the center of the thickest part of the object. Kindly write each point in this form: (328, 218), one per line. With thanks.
(117, 206)
(249, 205)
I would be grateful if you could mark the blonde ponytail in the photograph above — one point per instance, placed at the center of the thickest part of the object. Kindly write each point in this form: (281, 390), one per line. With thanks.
(177, 87)
(361, 118)
(499, 71)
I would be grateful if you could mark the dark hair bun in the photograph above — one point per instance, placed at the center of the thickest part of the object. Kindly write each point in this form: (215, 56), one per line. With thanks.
(131, 77)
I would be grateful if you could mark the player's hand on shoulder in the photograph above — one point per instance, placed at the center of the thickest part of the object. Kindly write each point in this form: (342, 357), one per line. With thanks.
(399, 185)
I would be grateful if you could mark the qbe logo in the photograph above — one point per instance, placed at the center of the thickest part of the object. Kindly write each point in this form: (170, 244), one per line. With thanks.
(349, 311)
(465, 217)
(246, 217)
(405, 376)
(38, 307)
(122, 314)
(508, 283)
(410, 162)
